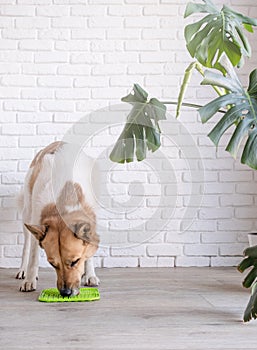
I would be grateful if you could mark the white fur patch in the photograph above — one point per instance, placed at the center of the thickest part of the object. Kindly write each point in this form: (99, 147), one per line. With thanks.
(71, 208)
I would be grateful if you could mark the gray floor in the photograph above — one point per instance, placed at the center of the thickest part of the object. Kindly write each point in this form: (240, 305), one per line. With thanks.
(192, 308)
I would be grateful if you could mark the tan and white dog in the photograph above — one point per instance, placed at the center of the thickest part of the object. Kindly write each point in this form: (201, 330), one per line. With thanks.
(58, 209)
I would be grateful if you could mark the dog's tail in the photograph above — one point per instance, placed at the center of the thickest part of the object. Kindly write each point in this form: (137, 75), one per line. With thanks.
(20, 201)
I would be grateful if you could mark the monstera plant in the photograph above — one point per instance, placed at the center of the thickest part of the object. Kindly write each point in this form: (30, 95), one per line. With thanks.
(218, 45)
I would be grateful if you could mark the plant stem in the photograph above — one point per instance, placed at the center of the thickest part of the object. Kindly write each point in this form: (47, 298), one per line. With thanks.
(183, 104)
(187, 105)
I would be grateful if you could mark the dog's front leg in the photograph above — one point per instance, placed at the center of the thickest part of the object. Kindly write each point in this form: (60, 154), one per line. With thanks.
(30, 282)
(90, 278)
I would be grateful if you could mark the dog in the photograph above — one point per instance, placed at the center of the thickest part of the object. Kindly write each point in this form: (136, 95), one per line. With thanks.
(58, 213)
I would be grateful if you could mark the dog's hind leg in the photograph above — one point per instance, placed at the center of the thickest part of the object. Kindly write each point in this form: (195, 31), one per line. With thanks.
(89, 277)
(25, 255)
(29, 284)
(24, 206)
(31, 216)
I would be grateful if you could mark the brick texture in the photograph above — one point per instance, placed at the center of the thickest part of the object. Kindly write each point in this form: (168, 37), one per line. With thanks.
(62, 60)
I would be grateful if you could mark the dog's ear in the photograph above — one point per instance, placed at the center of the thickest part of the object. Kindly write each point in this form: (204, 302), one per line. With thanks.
(82, 231)
(90, 238)
(39, 231)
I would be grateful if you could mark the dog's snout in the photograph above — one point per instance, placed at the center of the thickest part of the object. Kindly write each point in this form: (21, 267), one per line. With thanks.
(66, 292)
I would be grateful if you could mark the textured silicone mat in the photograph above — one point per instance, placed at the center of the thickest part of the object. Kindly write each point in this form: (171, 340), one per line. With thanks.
(52, 295)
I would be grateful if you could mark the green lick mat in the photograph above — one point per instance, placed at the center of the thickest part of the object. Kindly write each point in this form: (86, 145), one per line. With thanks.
(52, 295)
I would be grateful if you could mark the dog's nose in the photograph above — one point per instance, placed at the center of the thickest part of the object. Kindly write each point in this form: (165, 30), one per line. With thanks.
(65, 292)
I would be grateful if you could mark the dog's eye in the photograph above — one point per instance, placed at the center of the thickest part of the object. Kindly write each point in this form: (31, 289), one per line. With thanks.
(74, 262)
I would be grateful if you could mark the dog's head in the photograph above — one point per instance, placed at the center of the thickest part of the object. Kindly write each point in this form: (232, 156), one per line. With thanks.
(68, 244)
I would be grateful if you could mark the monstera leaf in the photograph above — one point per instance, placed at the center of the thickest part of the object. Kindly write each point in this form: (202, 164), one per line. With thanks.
(251, 309)
(250, 260)
(241, 112)
(141, 131)
(217, 33)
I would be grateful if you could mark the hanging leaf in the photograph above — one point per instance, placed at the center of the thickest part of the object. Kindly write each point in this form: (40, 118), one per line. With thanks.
(250, 260)
(141, 131)
(217, 33)
(252, 90)
(241, 112)
(185, 82)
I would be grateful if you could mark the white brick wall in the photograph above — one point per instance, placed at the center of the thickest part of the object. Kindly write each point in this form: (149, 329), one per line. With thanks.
(61, 60)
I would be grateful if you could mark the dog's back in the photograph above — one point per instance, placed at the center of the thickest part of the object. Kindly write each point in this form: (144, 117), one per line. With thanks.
(52, 168)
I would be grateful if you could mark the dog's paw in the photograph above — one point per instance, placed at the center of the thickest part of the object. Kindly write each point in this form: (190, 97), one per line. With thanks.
(21, 275)
(91, 281)
(28, 285)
